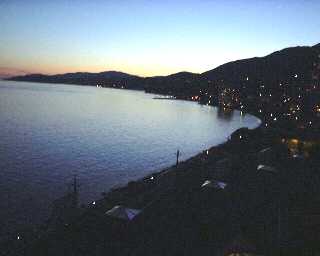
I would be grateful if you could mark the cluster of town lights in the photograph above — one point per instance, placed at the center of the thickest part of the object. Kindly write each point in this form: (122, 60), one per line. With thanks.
(291, 104)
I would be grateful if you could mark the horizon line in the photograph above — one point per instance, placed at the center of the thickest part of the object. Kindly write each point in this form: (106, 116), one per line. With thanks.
(129, 73)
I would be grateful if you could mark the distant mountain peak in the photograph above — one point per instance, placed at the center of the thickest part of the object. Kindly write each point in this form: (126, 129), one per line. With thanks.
(183, 74)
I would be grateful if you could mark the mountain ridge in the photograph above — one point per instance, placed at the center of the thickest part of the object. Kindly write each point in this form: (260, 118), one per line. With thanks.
(281, 65)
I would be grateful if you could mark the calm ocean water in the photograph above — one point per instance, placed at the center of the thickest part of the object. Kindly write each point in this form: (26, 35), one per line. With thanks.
(107, 137)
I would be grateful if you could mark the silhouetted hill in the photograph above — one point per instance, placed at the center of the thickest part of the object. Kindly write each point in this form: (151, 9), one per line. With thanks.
(295, 65)
(316, 46)
(287, 65)
(178, 83)
(183, 75)
(106, 79)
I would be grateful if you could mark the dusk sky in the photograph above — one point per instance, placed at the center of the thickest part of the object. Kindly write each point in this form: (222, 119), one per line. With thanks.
(148, 37)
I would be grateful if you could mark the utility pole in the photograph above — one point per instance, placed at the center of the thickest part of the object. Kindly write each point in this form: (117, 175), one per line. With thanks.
(178, 154)
(279, 224)
(75, 191)
(75, 187)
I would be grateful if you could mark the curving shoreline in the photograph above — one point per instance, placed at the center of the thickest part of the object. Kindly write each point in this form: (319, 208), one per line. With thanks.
(146, 192)
(173, 201)
(162, 180)
(178, 187)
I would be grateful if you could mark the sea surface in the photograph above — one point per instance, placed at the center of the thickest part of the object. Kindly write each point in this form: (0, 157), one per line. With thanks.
(107, 137)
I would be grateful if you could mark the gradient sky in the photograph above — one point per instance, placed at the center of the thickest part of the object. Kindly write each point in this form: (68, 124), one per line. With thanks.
(148, 37)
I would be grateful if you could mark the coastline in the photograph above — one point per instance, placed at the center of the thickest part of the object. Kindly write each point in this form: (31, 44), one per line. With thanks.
(168, 186)
(142, 192)
(140, 184)
(170, 173)
(177, 188)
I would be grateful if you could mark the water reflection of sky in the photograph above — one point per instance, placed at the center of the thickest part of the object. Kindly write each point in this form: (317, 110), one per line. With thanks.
(106, 136)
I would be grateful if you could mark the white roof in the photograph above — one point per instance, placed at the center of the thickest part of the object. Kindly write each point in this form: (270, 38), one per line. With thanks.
(122, 212)
(265, 150)
(267, 168)
(214, 184)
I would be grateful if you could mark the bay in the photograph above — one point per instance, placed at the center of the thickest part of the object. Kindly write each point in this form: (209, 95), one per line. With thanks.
(107, 137)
